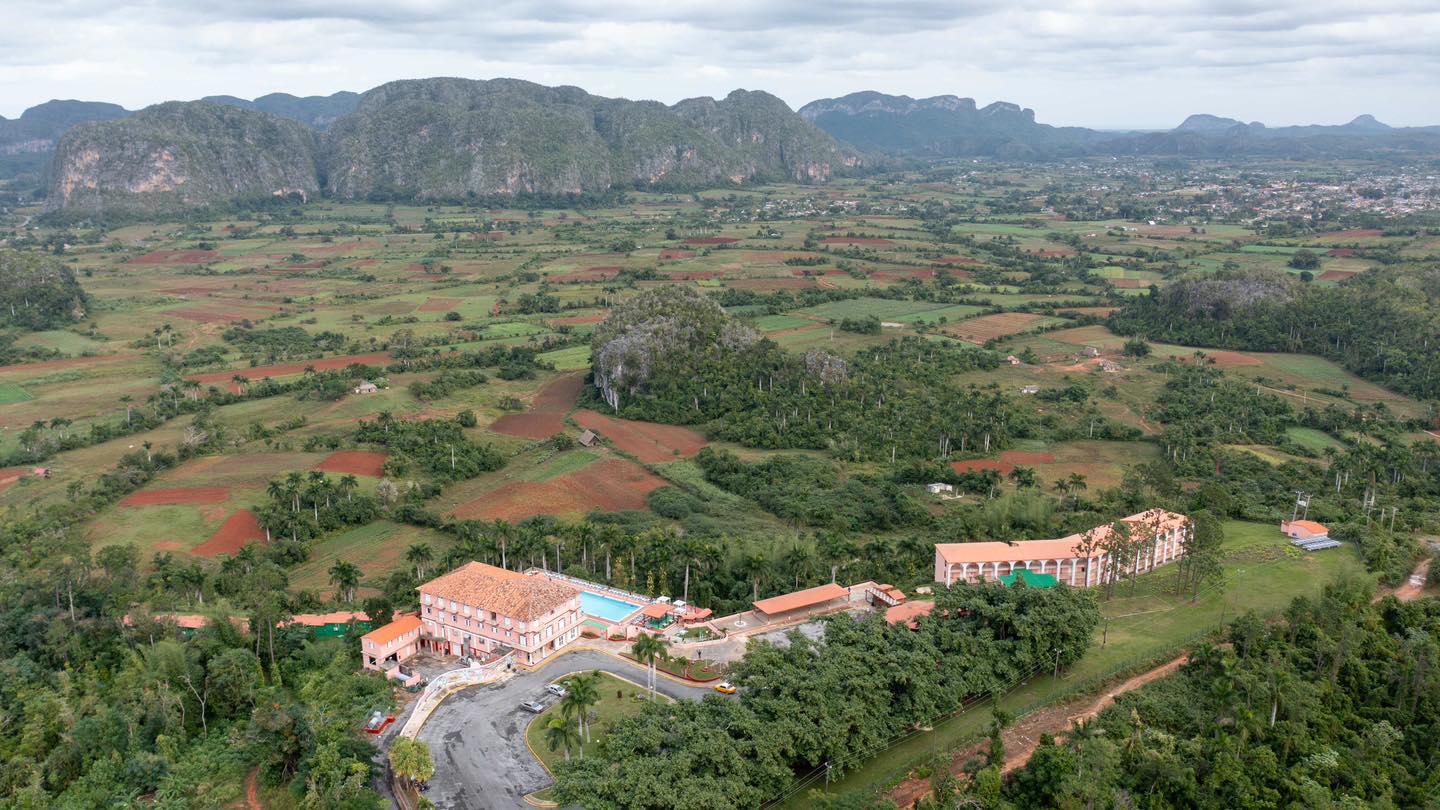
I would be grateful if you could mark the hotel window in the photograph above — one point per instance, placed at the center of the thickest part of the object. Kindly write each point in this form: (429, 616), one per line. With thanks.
(427, 598)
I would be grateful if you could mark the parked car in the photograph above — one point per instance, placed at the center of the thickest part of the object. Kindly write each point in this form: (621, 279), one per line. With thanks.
(556, 689)
(533, 706)
(725, 688)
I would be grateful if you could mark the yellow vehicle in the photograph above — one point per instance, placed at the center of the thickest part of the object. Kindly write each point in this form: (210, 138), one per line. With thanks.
(725, 688)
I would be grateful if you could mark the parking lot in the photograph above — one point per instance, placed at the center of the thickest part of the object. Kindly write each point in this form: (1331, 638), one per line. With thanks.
(477, 737)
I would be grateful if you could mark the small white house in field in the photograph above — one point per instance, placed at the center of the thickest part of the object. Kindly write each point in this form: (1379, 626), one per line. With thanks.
(1013, 360)
(940, 489)
(1030, 389)
(366, 387)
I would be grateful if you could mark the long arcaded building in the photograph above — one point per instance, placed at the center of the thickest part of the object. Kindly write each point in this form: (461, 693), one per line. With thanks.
(1079, 560)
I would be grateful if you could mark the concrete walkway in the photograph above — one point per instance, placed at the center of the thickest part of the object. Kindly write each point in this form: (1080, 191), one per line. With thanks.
(477, 736)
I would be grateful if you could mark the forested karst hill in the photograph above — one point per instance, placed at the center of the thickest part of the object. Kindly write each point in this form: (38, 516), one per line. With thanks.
(182, 154)
(442, 139)
(27, 142)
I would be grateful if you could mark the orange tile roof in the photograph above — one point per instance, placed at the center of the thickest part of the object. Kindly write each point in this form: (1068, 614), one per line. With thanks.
(908, 613)
(1058, 549)
(322, 619)
(799, 599)
(1310, 526)
(507, 593)
(656, 610)
(387, 633)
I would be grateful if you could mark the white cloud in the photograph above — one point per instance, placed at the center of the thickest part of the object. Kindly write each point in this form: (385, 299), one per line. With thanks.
(1085, 62)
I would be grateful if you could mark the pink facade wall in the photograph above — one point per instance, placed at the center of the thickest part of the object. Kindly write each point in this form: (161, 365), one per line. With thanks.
(374, 656)
(454, 628)
(1080, 572)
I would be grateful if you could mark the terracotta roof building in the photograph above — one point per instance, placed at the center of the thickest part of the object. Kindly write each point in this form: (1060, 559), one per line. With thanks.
(1079, 559)
(390, 645)
(810, 598)
(478, 609)
(1304, 529)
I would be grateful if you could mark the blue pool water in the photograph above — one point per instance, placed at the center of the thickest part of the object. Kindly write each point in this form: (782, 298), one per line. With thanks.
(603, 607)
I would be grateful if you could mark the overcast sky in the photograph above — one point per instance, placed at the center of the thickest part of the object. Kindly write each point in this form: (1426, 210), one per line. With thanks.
(1102, 63)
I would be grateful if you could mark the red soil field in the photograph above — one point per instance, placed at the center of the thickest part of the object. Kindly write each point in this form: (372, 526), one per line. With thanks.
(1335, 275)
(1338, 252)
(178, 495)
(855, 240)
(234, 534)
(439, 304)
(711, 240)
(772, 283)
(1358, 233)
(355, 462)
(285, 369)
(546, 416)
(1125, 283)
(978, 465)
(176, 257)
(8, 478)
(578, 320)
(609, 485)
(1224, 359)
(677, 254)
(694, 275)
(649, 442)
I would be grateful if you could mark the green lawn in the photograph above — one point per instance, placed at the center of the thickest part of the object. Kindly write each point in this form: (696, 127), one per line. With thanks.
(572, 358)
(1312, 439)
(1262, 573)
(618, 699)
(11, 394)
(954, 312)
(883, 308)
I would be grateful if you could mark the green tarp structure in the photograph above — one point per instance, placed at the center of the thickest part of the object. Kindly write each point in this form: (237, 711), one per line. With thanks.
(339, 630)
(1032, 579)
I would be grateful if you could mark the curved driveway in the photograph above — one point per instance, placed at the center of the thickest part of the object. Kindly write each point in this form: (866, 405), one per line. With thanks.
(477, 737)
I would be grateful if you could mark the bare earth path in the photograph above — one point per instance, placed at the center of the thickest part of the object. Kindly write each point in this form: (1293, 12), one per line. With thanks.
(1022, 738)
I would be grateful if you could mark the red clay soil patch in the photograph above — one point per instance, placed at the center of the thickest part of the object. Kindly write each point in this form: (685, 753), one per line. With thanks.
(611, 485)
(354, 462)
(235, 533)
(1335, 275)
(677, 254)
(1125, 283)
(286, 369)
(649, 442)
(986, 327)
(694, 275)
(12, 476)
(178, 495)
(176, 257)
(856, 240)
(579, 320)
(439, 304)
(711, 240)
(546, 416)
(1358, 233)
(1341, 252)
(772, 283)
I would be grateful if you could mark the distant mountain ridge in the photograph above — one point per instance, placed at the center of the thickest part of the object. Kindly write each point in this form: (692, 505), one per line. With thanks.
(27, 142)
(951, 126)
(316, 111)
(437, 138)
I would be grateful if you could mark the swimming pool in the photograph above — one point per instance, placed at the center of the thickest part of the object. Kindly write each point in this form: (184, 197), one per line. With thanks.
(603, 607)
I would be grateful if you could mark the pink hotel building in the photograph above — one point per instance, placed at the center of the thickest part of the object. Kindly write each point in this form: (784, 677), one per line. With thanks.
(1079, 560)
(478, 608)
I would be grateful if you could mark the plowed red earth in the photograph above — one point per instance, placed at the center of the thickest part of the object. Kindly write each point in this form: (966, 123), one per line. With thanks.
(8, 478)
(176, 257)
(354, 462)
(234, 534)
(646, 441)
(285, 369)
(546, 416)
(677, 254)
(579, 320)
(178, 495)
(439, 304)
(610, 486)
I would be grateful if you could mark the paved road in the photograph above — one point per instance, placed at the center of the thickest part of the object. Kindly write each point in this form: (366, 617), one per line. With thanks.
(477, 737)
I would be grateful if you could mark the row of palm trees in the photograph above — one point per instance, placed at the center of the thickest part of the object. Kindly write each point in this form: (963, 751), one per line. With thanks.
(581, 692)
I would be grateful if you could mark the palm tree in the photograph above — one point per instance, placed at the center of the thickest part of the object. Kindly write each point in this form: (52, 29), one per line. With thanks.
(345, 576)
(128, 400)
(419, 555)
(581, 692)
(502, 533)
(560, 734)
(647, 650)
(1077, 485)
(348, 484)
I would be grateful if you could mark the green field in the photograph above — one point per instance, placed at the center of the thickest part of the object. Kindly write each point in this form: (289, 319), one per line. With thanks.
(377, 548)
(11, 394)
(1312, 439)
(883, 308)
(572, 358)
